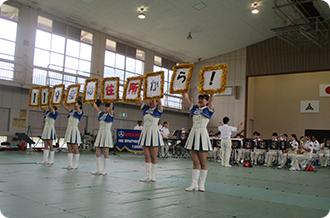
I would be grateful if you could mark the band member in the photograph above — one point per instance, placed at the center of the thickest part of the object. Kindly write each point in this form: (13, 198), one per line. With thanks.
(226, 132)
(104, 137)
(217, 149)
(292, 151)
(324, 153)
(138, 125)
(150, 138)
(72, 135)
(165, 132)
(305, 151)
(256, 152)
(271, 153)
(49, 134)
(240, 151)
(198, 141)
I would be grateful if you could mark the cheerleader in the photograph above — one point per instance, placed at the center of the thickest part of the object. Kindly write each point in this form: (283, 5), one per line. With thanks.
(150, 138)
(104, 137)
(198, 141)
(72, 135)
(49, 134)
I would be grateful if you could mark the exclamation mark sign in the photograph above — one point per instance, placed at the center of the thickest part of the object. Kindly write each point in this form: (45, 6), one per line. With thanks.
(212, 77)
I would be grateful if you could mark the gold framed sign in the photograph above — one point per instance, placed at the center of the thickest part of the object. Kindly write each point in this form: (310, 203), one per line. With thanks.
(213, 79)
(110, 90)
(34, 97)
(132, 89)
(181, 77)
(153, 86)
(90, 90)
(71, 95)
(44, 96)
(57, 95)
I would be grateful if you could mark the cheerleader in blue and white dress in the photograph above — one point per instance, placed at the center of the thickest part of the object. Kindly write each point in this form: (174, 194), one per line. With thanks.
(49, 134)
(72, 135)
(198, 141)
(150, 138)
(104, 137)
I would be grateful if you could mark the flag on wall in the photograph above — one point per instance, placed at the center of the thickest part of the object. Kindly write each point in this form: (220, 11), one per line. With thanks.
(324, 90)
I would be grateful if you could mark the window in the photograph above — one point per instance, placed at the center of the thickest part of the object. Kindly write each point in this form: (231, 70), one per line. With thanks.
(170, 100)
(62, 54)
(3, 139)
(8, 31)
(122, 61)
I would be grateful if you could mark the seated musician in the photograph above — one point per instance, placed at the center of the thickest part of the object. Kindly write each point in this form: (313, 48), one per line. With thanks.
(240, 151)
(165, 132)
(290, 152)
(256, 152)
(216, 149)
(324, 153)
(271, 152)
(305, 151)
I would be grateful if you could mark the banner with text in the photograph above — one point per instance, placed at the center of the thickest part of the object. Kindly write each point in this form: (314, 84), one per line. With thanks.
(129, 139)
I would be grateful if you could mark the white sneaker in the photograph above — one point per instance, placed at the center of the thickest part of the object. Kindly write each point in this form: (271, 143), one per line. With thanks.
(228, 166)
(280, 167)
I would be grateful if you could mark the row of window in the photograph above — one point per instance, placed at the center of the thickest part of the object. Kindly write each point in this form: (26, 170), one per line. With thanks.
(63, 55)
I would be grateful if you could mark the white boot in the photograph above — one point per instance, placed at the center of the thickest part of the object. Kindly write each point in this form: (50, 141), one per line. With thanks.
(45, 156)
(98, 168)
(106, 161)
(194, 182)
(76, 161)
(153, 172)
(148, 173)
(70, 156)
(202, 180)
(51, 157)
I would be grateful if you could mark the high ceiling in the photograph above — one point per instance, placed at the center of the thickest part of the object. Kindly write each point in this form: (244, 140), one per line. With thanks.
(217, 26)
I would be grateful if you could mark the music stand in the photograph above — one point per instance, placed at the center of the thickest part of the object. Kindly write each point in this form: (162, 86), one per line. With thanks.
(248, 144)
(284, 145)
(235, 144)
(262, 144)
(216, 143)
(274, 145)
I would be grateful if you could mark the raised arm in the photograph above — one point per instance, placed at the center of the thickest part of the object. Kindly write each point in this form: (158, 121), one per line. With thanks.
(160, 106)
(211, 105)
(96, 107)
(141, 100)
(186, 96)
(239, 126)
(65, 107)
(111, 109)
(44, 110)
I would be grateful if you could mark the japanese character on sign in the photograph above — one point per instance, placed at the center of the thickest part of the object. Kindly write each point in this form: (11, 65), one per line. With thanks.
(110, 89)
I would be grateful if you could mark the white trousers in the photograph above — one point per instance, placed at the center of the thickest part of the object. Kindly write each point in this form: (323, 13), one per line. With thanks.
(324, 154)
(226, 151)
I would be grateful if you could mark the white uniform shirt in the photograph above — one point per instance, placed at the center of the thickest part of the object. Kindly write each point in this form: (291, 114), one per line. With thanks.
(165, 131)
(137, 127)
(160, 127)
(310, 145)
(226, 131)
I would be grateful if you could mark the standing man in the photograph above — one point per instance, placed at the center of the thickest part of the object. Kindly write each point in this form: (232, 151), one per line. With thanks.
(226, 140)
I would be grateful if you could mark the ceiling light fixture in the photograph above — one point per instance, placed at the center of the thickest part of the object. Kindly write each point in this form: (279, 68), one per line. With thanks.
(189, 37)
(141, 14)
(255, 9)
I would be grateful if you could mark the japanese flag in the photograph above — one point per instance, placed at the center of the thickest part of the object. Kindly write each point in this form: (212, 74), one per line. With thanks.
(325, 90)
